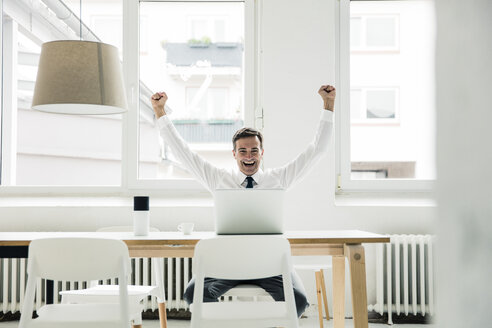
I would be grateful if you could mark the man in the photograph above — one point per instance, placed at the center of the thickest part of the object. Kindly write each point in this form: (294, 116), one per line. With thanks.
(248, 153)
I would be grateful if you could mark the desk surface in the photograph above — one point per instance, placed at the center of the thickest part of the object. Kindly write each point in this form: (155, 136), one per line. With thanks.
(178, 238)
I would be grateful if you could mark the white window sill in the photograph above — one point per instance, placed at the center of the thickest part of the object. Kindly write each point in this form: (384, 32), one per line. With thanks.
(386, 199)
(205, 200)
(69, 201)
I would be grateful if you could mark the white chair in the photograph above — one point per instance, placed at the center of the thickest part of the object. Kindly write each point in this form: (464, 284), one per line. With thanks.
(243, 257)
(75, 259)
(107, 293)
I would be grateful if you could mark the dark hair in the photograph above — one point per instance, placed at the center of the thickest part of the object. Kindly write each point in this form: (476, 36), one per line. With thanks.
(246, 133)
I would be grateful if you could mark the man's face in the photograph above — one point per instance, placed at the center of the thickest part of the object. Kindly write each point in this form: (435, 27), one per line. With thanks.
(248, 155)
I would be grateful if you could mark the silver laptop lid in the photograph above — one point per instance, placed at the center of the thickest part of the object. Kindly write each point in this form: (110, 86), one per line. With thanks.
(249, 211)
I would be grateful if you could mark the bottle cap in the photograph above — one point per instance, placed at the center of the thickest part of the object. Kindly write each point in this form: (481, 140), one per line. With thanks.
(141, 203)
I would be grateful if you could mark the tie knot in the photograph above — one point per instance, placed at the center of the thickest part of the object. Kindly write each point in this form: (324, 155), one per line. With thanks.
(250, 182)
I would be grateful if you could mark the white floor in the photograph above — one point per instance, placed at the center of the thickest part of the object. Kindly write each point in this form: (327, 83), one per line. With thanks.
(306, 322)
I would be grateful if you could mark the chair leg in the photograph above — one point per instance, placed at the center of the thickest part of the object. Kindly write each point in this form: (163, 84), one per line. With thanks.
(317, 274)
(162, 314)
(323, 290)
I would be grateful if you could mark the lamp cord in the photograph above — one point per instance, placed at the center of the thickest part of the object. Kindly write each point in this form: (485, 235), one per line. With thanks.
(80, 19)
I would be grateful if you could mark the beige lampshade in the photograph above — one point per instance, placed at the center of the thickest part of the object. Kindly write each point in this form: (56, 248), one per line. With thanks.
(79, 77)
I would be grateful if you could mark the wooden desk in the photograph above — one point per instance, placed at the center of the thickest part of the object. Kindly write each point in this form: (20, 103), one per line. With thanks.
(338, 244)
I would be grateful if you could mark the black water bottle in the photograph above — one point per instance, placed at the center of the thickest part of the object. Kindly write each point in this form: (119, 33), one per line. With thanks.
(141, 217)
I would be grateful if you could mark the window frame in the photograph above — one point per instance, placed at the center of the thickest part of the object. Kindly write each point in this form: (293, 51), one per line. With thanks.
(131, 74)
(344, 184)
(130, 183)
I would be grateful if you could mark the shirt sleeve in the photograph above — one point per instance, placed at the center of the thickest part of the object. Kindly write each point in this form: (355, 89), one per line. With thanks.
(297, 168)
(201, 169)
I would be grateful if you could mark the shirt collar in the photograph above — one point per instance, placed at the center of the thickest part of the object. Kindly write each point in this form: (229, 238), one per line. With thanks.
(240, 176)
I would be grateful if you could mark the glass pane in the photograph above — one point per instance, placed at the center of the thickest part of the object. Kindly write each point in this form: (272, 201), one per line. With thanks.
(380, 104)
(381, 32)
(355, 104)
(105, 27)
(104, 18)
(196, 56)
(355, 32)
(218, 103)
(199, 29)
(220, 30)
(394, 136)
(55, 149)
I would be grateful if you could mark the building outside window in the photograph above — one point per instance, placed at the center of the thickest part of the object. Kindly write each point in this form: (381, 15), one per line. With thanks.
(196, 55)
(387, 137)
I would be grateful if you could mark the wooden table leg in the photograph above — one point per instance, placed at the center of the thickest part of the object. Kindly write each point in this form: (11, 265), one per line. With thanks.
(338, 265)
(162, 314)
(357, 263)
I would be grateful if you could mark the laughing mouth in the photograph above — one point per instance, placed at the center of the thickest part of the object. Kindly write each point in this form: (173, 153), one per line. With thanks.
(249, 164)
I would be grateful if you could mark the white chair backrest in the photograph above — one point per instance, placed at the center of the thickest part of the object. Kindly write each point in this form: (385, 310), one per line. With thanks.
(122, 229)
(68, 258)
(157, 263)
(242, 257)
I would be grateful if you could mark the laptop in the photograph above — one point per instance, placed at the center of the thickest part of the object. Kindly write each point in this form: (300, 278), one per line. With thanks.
(249, 211)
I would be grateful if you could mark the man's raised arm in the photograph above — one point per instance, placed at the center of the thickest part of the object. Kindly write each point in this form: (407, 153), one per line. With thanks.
(201, 169)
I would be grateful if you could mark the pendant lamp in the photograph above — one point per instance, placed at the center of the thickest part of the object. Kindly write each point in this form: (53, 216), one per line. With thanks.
(79, 77)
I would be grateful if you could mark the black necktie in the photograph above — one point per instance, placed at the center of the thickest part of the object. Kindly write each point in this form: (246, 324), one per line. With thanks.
(250, 182)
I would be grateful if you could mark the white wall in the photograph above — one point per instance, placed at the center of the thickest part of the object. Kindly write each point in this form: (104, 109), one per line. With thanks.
(299, 53)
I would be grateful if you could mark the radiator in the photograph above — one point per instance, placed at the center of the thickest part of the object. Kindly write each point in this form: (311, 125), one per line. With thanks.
(405, 276)
(176, 271)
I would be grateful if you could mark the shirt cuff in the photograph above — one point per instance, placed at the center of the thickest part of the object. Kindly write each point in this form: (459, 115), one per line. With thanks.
(163, 121)
(327, 115)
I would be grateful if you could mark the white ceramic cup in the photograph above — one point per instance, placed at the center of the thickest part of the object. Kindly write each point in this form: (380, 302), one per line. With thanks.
(186, 228)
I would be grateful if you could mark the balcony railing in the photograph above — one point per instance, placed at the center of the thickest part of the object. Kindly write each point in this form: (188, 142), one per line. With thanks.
(210, 131)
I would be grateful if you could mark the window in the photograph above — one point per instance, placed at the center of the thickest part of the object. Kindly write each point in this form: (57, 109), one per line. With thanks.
(40, 149)
(373, 105)
(386, 140)
(196, 54)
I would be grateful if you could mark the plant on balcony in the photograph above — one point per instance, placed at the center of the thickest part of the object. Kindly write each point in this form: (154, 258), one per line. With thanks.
(204, 42)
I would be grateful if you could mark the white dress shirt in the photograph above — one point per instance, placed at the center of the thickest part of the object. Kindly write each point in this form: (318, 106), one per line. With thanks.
(277, 178)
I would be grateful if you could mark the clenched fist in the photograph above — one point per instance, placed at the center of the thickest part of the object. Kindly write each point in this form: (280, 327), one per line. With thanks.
(328, 93)
(158, 101)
